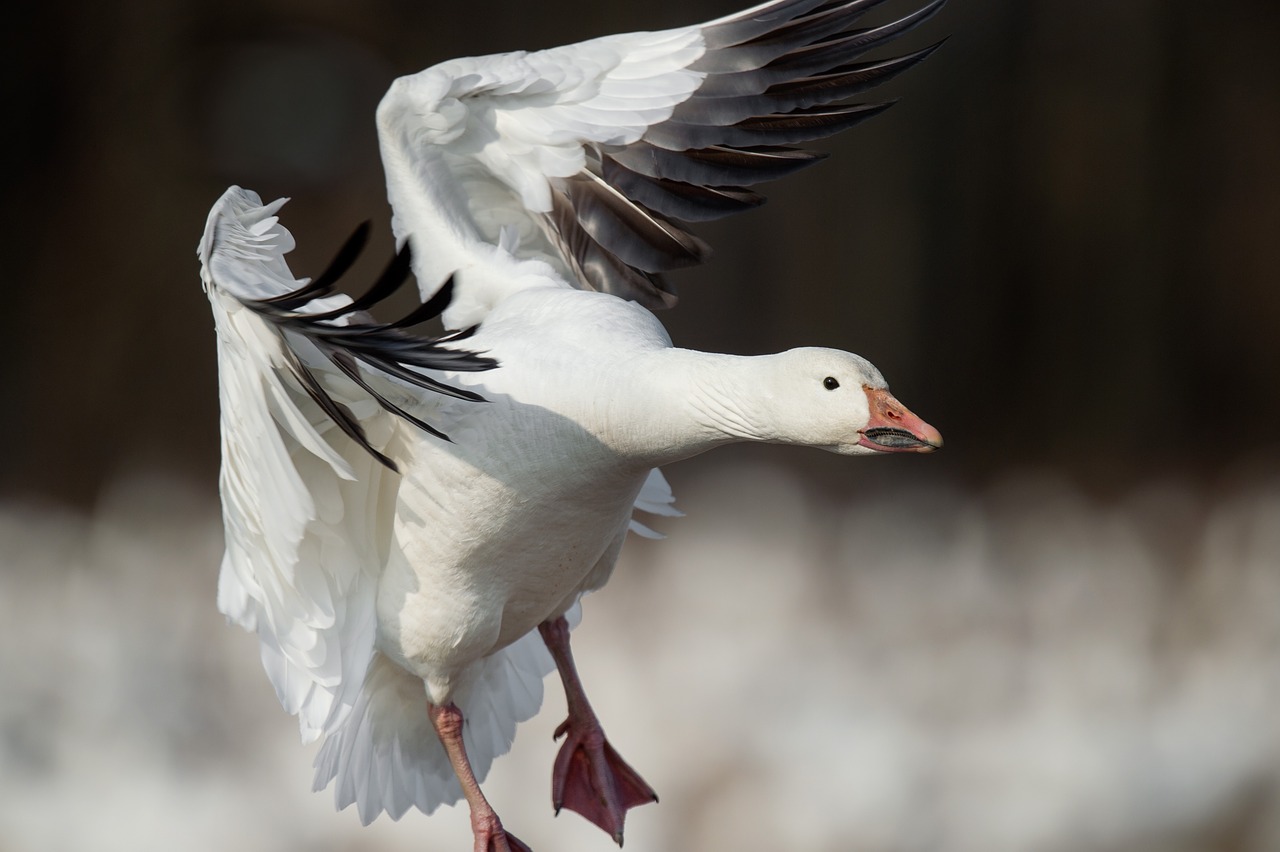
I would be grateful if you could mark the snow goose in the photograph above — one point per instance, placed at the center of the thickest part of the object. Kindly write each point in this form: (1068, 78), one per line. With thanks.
(411, 521)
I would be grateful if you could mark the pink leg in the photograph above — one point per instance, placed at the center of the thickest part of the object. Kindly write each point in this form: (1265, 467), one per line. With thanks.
(589, 776)
(485, 825)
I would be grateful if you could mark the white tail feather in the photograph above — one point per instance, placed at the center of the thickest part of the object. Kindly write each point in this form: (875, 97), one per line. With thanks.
(386, 756)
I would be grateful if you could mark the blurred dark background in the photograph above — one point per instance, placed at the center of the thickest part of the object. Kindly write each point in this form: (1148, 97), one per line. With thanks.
(1060, 247)
(1059, 634)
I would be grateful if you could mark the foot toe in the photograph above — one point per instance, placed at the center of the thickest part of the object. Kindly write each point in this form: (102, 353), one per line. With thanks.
(592, 780)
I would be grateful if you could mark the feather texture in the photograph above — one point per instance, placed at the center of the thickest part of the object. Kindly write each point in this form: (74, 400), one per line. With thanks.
(300, 569)
(595, 154)
(513, 180)
(388, 757)
(347, 336)
(655, 499)
(308, 509)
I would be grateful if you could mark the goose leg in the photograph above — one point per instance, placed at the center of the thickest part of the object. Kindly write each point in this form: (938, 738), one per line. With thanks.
(487, 829)
(589, 776)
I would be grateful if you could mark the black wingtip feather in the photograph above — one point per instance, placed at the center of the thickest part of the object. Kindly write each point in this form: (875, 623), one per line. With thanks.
(353, 373)
(775, 76)
(384, 347)
(392, 278)
(323, 283)
(337, 412)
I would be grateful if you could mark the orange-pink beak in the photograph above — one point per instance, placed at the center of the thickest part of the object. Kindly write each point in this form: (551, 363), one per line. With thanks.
(894, 429)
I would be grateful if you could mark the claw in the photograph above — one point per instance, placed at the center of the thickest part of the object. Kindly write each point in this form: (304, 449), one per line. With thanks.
(506, 842)
(486, 827)
(591, 779)
(490, 836)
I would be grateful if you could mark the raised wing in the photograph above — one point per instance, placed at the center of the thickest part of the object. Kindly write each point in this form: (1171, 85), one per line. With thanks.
(593, 157)
(308, 484)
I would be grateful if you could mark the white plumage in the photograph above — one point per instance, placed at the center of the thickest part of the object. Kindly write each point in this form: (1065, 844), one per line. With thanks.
(389, 570)
(307, 514)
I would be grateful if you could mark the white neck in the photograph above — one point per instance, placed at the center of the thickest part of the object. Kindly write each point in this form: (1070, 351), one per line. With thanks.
(682, 403)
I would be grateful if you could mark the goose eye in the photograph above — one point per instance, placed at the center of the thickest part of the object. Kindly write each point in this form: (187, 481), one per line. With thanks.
(830, 383)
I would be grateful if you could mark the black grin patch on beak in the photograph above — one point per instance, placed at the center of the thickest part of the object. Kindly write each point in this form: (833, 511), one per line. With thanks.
(894, 439)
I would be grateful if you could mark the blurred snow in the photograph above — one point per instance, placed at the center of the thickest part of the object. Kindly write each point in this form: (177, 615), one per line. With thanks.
(1018, 669)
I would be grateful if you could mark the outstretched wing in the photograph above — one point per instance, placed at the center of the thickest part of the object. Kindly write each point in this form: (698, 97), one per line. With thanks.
(313, 394)
(593, 157)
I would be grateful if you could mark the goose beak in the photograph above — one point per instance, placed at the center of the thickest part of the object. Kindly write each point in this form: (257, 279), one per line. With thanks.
(894, 429)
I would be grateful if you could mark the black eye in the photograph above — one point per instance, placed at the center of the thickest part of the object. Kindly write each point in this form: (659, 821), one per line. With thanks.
(830, 383)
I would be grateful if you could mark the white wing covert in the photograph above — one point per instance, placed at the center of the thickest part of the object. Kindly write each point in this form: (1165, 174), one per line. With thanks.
(586, 161)
(655, 498)
(307, 483)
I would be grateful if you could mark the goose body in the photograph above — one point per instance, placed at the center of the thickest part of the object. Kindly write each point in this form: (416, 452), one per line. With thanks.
(412, 521)
(520, 533)
(525, 531)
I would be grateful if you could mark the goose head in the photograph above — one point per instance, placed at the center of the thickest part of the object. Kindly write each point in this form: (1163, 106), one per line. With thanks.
(836, 401)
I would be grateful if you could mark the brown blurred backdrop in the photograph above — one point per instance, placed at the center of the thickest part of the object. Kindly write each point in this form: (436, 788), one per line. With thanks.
(1060, 247)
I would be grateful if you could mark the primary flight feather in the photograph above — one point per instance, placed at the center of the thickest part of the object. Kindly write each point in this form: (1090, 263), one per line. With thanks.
(412, 520)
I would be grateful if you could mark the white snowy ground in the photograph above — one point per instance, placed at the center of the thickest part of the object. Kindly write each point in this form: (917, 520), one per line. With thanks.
(933, 671)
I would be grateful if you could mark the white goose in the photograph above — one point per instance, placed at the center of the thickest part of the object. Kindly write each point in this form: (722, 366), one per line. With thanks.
(411, 522)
